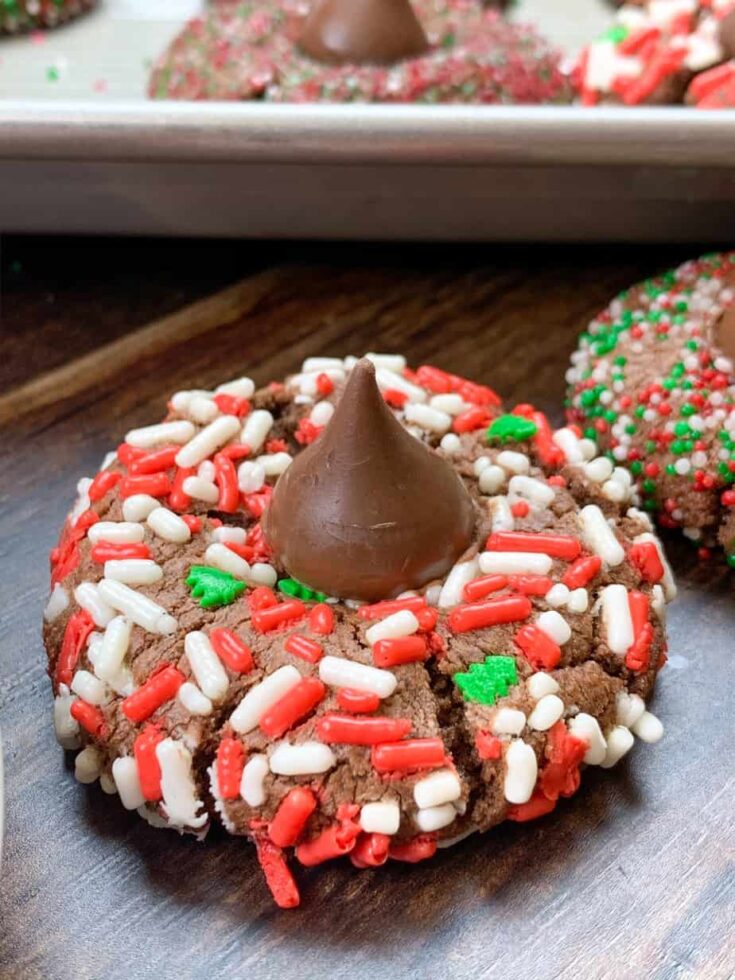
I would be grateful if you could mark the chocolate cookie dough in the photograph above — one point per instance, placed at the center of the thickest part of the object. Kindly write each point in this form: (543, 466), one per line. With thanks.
(200, 681)
(25, 15)
(652, 380)
(436, 51)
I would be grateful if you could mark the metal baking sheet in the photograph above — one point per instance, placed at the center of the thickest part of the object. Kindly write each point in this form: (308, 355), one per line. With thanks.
(82, 150)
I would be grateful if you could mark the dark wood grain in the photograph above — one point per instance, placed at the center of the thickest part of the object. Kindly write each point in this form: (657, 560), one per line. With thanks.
(634, 877)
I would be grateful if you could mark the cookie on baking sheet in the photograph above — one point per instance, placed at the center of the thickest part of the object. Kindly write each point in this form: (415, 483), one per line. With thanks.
(652, 380)
(252, 50)
(25, 15)
(363, 612)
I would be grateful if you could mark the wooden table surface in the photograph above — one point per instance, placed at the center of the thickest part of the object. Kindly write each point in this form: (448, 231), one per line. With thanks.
(633, 877)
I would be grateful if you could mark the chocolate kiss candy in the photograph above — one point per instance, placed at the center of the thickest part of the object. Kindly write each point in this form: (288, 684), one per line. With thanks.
(378, 32)
(367, 511)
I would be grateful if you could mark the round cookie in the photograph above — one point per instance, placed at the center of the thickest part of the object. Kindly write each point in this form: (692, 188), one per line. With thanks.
(202, 683)
(24, 15)
(246, 50)
(652, 379)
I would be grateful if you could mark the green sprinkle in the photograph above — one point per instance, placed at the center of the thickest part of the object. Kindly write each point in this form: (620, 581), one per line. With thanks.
(636, 467)
(289, 586)
(212, 586)
(511, 428)
(485, 683)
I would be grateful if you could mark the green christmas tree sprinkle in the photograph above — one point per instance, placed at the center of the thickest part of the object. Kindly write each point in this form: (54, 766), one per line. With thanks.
(213, 587)
(289, 586)
(511, 428)
(485, 683)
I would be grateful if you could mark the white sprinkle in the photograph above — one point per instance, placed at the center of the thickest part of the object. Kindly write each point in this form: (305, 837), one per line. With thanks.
(529, 488)
(668, 583)
(252, 789)
(451, 403)
(513, 462)
(58, 601)
(547, 712)
(243, 387)
(508, 721)
(208, 441)
(514, 563)
(492, 479)
(142, 610)
(125, 774)
(302, 759)
(66, 727)
(648, 728)
(588, 447)
(616, 617)
(116, 532)
(452, 592)
(113, 648)
(229, 535)
(629, 708)
(389, 379)
(250, 476)
(225, 559)
(428, 418)
(134, 571)
(261, 573)
(82, 501)
(587, 728)
(177, 432)
(207, 667)
(435, 817)
(402, 623)
(321, 413)
(619, 741)
(501, 516)
(255, 431)
(180, 803)
(451, 444)
(88, 765)
(381, 818)
(555, 626)
(658, 603)
(193, 700)
(168, 525)
(391, 362)
(568, 442)
(599, 537)
(315, 365)
(540, 684)
(613, 490)
(481, 463)
(138, 507)
(263, 696)
(198, 488)
(274, 464)
(558, 595)
(520, 773)
(442, 786)
(579, 600)
(338, 672)
(90, 598)
(89, 688)
(202, 409)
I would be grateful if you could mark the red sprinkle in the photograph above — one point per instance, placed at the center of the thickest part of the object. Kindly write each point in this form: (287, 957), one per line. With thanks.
(348, 730)
(538, 647)
(647, 560)
(358, 702)
(294, 705)
(394, 397)
(159, 688)
(193, 522)
(238, 450)
(293, 812)
(155, 484)
(178, 500)
(272, 618)
(302, 646)
(417, 849)
(149, 769)
(639, 655)
(78, 627)
(582, 571)
(474, 418)
(278, 877)
(90, 718)
(230, 764)
(155, 462)
(401, 650)
(102, 484)
(427, 619)
(530, 584)
(488, 746)
(321, 619)
(307, 432)
(276, 446)
(560, 775)
(491, 612)
(370, 851)
(232, 404)
(538, 806)
(520, 509)
(434, 379)
(381, 609)
(560, 546)
(262, 598)
(334, 842)
(127, 454)
(416, 753)
(232, 651)
(324, 385)
(110, 551)
(225, 477)
(478, 588)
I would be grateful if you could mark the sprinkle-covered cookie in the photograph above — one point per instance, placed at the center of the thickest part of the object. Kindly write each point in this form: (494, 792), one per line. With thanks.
(25, 15)
(364, 612)
(652, 380)
(274, 51)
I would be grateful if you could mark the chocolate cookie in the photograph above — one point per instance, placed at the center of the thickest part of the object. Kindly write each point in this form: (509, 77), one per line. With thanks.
(483, 615)
(652, 380)
(25, 15)
(435, 51)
